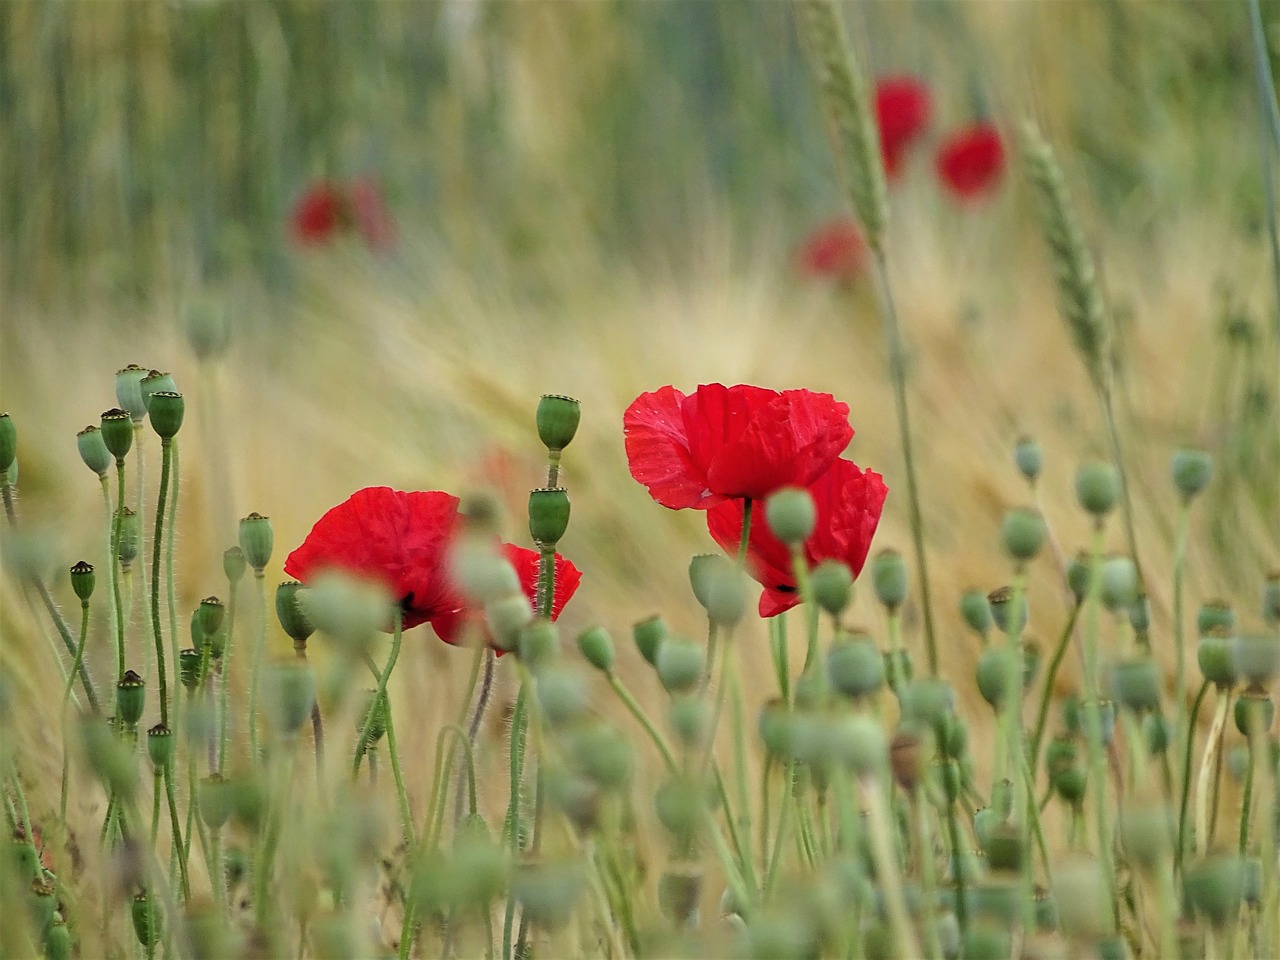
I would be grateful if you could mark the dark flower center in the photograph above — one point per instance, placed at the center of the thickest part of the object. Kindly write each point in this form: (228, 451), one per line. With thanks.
(406, 604)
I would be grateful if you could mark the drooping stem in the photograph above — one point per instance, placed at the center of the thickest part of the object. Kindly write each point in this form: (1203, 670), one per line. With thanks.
(156, 544)
(642, 718)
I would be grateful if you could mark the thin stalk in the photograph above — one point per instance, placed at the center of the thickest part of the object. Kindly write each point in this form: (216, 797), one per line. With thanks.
(157, 541)
(519, 723)
(1126, 497)
(1246, 804)
(256, 668)
(784, 823)
(1180, 849)
(115, 566)
(1180, 655)
(62, 714)
(176, 827)
(737, 722)
(224, 678)
(139, 502)
(406, 814)
(379, 696)
(169, 449)
(1046, 695)
(642, 718)
(882, 829)
(477, 716)
(778, 650)
(1207, 763)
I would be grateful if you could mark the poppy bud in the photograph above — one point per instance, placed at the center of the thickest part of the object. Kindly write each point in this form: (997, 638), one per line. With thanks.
(1079, 573)
(1191, 470)
(189, 667)
(160, 746)
(1023, 533)
(1029, 458)
(131, 697)
(1098, 488)
(719, 588)
(233, 564)
(377, 706)
(1215, 613)
(129, 391)
(993, 670)
(855, 666)
(596, 646)
(691, 720)
(889, 578)
(832, 583)
(1213, 654)
(130, 537)
(1215, 887)
(1080, 891)
(156, 382)
(1000, 600)
(289, 689)
(166, 409)
(82, 580)
(649, 636)
(1157, 733)
(507, 617)
(146, 920)
(1136, 684)
(8, 442)
(791, 515)
(681, 665)
(1255, 658)
(256, 541)
(679, 891)
(976, 611)
(548, 514)
(1146, 835)
(604, 755)
(562, 695)
(1254, 712)
(539, 643)
(117, 432)
(290, 614)
(557, 419)
(93, 450)
(776, 725)
(1119, 583)
(928, 701)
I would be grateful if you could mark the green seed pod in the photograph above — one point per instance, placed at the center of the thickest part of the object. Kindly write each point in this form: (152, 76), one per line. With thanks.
(1119, 583)
(147, 925)
(976, 611)
(1001, 602)
(1191, 470)
(256, 541)
(539, 643)
(1237, 762)
(855, 666)
(117, 432)
(1251, 886)
(1136, 684)
(1140, 615)
(776, 725)
(859, 744)
(1255, 658)
(129, 391)
(574, 795)
(209, 615)
(166, 409)
(156, 382)
(557, 419)
(832, 583)
(1215, 887)
(289, 612)
(217, 800)
(1098, 488)
(985, 821)
(603, 755)
(649, 636)
(997, 900)
(8, 442)
(93, 450)
(83, 580)
(993, 673)
(791, 515)
(681, 666)
(481, 571)
(507, 618)
(1254, 712)
(189, 667)
(779, 936)
(1111, 948)
(1023, 534)
(289, 692)
(548, 514)
(131, 698)
(1213, 655)
(206, 936)
(479, 872)
(1079, 572)
(1157, 733)
(234, 564)
(1215, 613)
(207, 324)
(596, 646)
(160, 746)
(681, 805)
(57, 939)
(1061, 751)
(548, 891)
(1080, 891)
(889, 578)
(1271, 599)
(21, 858)
(378, 706)
(130, 537)
(1006, 848)
(562, 695)
(719, 588)
(42, 903)
(1029, 458)
(986, 941)
(1146, 835)
(679, 892)
(691, 720)
(952, 737)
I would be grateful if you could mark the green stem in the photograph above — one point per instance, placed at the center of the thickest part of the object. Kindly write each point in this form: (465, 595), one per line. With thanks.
(1046, 695)
(256, 668)
(887, 872)
(1246, 804)
(738, 724)
(115, 566)
(1180, 655)
(1207, 763)
(157, 541)
(778, 650)
(224, 677)
(157, 792)
(176, 826)
(642, 718)
(784, 823)
(379, 696)
(170, 450)
(1180, 849)
(519, 724)
(406, 814)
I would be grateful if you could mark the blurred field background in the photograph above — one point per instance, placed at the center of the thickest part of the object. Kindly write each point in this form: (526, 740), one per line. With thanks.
(597, 199)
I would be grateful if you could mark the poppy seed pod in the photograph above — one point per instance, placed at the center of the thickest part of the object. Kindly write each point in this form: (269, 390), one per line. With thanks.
(481, 571)
(649, 635)
(131, 697)
(289, 692)
(289, 612)
(147, 925)
(681, 666)
(156, 382)
(256, 541)
(1136, 684)
(1213, 655)
(791, 515)
(548, 514)
(1023, 533)
(93, 450)
(691, 720)
(855, 666)
(908, 758)
(1215, 887)
(889, 578)
(189, 667)
(1157, 733)
(1000, 602)
(832, 583)
(1098, 488)
(57, 939)
(217, 800)
(1140, 614)
(928, 701)
(129, 391)
(1191, 471)
(1146, 835)
(562, 695)
(679, 891)
(547, 891)
(557, 420)
(130, 537)
(117, 432)
(160, 746)
(8, 442)
(1080, 890)
(83, 580)
(720, 589)
(604, 755)
(976, 611)
(1255, 658)
(1005, 848)
(233, 564)
(993, 674)
(507, 617)
(539, 643)
(1254, 712)
(209, 615)
(861, 745)
(1079, 573)
(596, 646)
(1119, 583)
(985, 821)
(776, 726)
(1029, 458)
(1215, 613)
(166, 409)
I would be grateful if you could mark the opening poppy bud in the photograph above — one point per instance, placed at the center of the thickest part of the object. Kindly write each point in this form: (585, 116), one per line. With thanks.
(129, 391)
(1213, 654)
(1254, 712)
(679, 892)
(166, 409)
(189, 667)
(8, 442)
(691, 720)
(832, 583)
(117, 432)
(557, 419)
(1146, 836)
(256, 541)
(889, 578)
(1255, 658)
(976, 612)
(1023, 533)
(1191, 470)
(548, 891)
(1029, 458)
(130, 537)
(1136, 684)
(1119, 583)
(681, 666)
(93, 450)
(548, 514)
(562, 695)
(649, 635)
(290, 614)
(83, 580)
(1079, 573)
(604, 755)
(377, 706)
(289, 691)
(596, 646)
(1215, 887)
(131, 697)
(855, 666)
(156, 382)
(110, 759)
(160, 746)
(719, 588)
(1098, 488)
(1001, 603)
(791, 515)
(1157, 733)
(539, 643)
(1215, 613)
(928, 701)
(1080, 891)
(994, 672)
(481, 571)
(507, 618)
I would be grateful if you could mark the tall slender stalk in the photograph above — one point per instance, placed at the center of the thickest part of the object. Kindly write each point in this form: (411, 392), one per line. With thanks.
(115, 566)
(156, 544)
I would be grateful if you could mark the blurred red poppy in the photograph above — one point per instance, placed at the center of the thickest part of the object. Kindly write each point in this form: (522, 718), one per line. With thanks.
(849, 501)
(971, 161)
(835, 251)
(372, 217)
(320, 213)
(902, 114)
(722, 443)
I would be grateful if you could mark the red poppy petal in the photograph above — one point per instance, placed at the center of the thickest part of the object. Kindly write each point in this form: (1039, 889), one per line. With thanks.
(768, 559)
(525, 562)
(774, 602)
(658, 451)
(849, 502)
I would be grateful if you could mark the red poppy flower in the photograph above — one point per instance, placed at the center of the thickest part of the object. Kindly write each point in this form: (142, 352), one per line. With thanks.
(722, 443)
(372, 217)
(321, 211)
(402, 540)
(848, 500)
(902, 113)
(836, 250)
(971, 161)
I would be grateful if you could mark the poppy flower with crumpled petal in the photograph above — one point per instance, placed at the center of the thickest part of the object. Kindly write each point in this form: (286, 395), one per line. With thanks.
(849, 501)
(836, 251)
(902, 113)
(723, 443)
(971, 161)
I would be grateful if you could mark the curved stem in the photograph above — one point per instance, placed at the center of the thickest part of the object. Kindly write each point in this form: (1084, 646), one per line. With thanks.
(406, 814)
(176, 826)
(1180, 849)
(156, 543)
(379, 696)
(1046, 695)
(635, 710)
